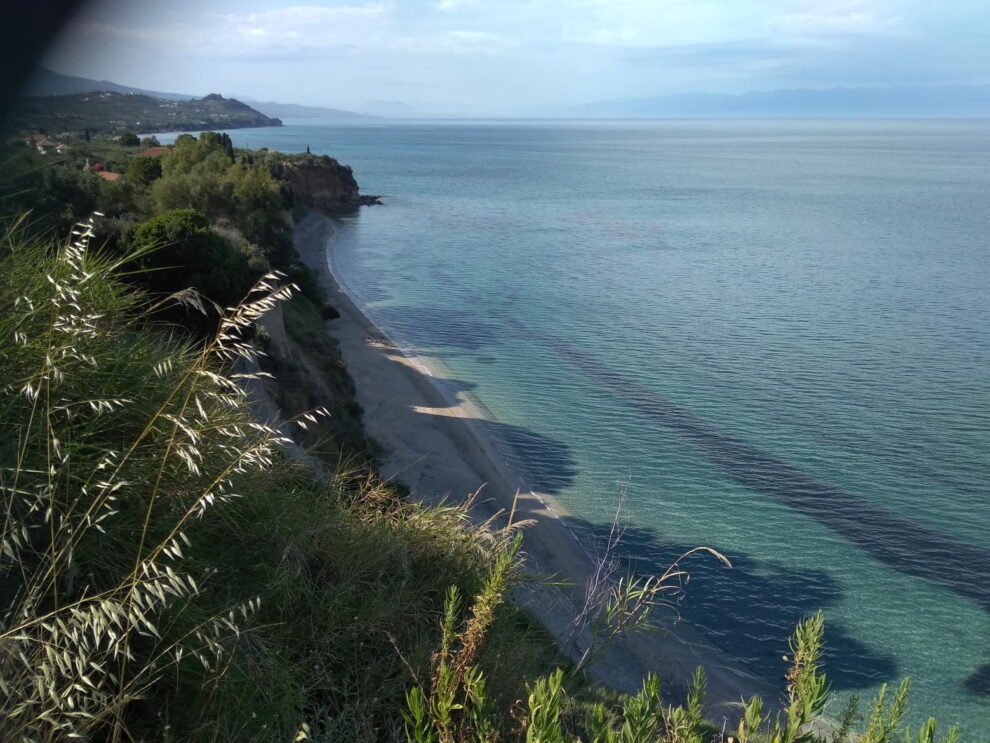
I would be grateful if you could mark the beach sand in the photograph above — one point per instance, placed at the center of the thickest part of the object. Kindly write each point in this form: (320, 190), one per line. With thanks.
(434, 445)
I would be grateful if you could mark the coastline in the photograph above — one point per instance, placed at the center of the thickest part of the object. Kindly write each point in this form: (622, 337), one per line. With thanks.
(434, 444)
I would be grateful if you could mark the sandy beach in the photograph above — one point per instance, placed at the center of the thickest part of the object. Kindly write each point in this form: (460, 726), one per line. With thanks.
(434, 444)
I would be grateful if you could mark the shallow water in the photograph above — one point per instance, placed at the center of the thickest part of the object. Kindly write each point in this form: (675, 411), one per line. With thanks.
(767, 337)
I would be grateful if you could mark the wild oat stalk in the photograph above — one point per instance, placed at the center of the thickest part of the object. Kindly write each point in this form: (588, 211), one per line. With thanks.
(116, 442)
(622, 607)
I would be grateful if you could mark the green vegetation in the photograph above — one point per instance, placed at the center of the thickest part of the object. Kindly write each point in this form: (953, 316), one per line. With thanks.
(105, 112)
(243, 209)
(141, 171)
(192, 253)
(170, 573)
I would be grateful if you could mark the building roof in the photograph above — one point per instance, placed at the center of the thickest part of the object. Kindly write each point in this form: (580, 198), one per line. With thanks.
(153, 152)
(107, 175)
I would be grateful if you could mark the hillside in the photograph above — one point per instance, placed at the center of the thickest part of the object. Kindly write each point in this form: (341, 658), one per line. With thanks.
(47, 82)
(109, 112)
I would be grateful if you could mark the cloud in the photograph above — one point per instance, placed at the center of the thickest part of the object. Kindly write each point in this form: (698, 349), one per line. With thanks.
(841, 18)
(755, 52)
(549, 50)
(448, 6)
(274, 33)
(306, 16)
(300, 27)
(308, 32)
(457, 42)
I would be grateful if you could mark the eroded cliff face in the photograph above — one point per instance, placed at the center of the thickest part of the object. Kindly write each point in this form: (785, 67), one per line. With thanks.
(322, 182)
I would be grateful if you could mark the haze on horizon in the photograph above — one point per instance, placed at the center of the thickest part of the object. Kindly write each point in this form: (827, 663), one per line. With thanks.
(521, 57)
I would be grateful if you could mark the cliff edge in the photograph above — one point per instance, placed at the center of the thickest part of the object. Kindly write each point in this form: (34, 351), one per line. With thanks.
(321, 182)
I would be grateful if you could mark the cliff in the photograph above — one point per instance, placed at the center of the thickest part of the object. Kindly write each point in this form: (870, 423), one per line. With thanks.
(321, 182)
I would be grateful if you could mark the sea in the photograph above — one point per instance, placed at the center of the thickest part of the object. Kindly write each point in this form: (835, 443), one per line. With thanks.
(767, 337)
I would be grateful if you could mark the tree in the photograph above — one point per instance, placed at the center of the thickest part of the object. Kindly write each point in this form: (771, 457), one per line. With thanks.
(117, 198)
(183, 251)
(212, 152)
(205, 191)
(257, 210)
(151, 141)
(57, 196)
(129, 139)
(143, 170)
(256, 194)
(212, 141)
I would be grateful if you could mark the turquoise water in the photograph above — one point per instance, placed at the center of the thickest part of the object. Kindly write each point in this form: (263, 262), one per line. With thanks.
(769, 337)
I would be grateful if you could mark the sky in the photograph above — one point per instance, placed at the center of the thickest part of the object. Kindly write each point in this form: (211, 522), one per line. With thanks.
(515, 57)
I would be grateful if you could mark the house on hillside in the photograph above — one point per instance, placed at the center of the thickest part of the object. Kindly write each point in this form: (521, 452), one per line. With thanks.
(42, 143)
(153, 152)
(100, 170)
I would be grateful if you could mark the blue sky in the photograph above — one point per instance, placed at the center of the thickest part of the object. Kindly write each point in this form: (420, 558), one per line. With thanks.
(521, 56)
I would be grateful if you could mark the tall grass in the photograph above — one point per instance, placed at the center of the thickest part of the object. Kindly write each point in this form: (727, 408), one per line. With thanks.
(167, 574)
(116, 443)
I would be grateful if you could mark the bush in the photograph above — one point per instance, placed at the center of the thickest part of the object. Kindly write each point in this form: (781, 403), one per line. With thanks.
(208, 154)
(204, 191)
(142, 171)
(118, 198)
(56, 196)
(180, 250)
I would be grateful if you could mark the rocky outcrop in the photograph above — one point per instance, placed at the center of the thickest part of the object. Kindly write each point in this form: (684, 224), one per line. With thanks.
(322, 182)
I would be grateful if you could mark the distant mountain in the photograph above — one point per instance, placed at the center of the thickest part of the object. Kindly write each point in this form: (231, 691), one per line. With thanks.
(111, 113)
(48, 82)
(944, 100)
(295, 111)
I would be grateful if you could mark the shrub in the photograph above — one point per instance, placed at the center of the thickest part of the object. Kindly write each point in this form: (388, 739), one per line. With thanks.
(180, 250)
(204, 191)
(143, 170)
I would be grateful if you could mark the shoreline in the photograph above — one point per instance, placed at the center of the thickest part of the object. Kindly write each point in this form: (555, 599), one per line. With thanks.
(472, 408)
(434, 443)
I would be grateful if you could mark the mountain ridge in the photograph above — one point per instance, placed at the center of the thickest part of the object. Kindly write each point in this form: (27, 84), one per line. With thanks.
(47, 83)
(110, 112)
(297, 110)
